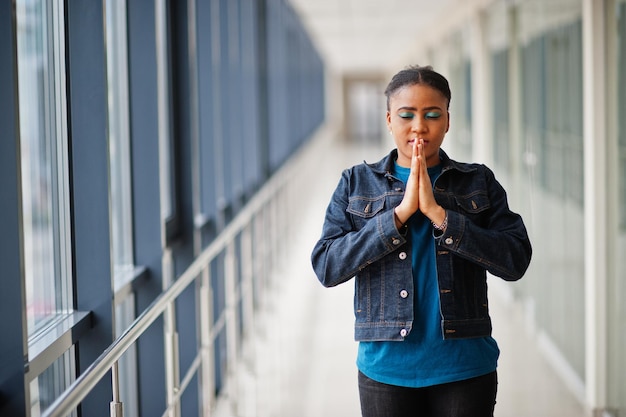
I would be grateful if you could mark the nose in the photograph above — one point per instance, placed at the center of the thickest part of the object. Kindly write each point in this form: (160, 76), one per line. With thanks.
(418, 125)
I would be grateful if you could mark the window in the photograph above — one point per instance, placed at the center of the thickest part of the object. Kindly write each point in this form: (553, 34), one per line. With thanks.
(551, 136)
(498, 37)
(365, 105)
(51, 383)
(502, 145)
(167, 148)
(119, 143)
(621, 91)
(617, 202)
(44, 164)
(45, 225)
(461, 105)
(120, 191)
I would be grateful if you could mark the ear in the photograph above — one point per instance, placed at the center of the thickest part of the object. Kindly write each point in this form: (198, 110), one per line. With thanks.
(448, 126)
(388, 120)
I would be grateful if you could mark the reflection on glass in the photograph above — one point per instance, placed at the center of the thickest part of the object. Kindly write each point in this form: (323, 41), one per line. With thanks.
(43, 161)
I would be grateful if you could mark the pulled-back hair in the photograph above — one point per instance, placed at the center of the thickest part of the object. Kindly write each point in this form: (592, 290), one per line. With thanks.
(418, 75)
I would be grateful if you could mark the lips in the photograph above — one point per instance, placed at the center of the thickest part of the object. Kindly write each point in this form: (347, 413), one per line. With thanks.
(411, 141)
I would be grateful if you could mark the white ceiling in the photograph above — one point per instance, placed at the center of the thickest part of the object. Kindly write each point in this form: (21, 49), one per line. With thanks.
(368, 35)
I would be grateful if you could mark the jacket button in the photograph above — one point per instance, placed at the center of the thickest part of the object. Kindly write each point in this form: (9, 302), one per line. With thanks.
(404, 293)
(402, 255)
(449, 240)
(396, 241)
(403, 332)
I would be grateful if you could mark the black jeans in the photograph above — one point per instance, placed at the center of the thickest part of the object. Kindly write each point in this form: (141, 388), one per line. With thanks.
(475, 397)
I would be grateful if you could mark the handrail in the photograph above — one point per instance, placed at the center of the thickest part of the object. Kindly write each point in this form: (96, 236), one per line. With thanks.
(78, 390)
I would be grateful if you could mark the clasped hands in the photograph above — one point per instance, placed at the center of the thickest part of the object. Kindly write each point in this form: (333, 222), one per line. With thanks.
(419, 191)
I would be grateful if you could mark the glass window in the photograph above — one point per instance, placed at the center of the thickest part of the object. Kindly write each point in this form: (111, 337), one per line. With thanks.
(119, 143)
(461, 104)
(163, 78)
(621, 90)
(365, 105)
(127, 364)
(121, 191)
(500, 70)
(45, 185)
(44, 165)
(209, 123)
(551, 112)
(617, 286)
(497, 31)
(51, 383)
(167, 160)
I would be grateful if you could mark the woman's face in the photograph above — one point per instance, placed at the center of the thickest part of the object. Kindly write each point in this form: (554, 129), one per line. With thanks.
(418, 112)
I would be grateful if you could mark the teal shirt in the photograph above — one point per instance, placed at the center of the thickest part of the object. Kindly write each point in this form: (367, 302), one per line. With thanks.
(424, 358)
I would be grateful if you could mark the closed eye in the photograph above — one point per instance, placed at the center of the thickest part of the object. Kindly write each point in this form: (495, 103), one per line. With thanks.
(432, 115)
(406, 115)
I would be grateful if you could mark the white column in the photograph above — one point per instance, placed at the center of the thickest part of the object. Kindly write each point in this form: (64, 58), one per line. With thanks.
(595, 236)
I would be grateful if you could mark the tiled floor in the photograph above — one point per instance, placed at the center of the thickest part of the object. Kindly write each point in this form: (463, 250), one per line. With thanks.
(306, 351)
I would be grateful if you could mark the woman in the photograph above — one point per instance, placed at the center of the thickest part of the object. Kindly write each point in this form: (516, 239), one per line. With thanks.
(419, 231)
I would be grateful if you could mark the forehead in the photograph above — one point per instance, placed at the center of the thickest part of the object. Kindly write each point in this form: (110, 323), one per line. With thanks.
(417, 95)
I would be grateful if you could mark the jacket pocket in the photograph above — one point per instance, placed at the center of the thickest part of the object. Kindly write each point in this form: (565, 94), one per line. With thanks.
(364, 209)
(473, 203)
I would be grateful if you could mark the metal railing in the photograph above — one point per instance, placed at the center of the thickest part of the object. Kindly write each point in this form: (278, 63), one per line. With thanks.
(265, 215)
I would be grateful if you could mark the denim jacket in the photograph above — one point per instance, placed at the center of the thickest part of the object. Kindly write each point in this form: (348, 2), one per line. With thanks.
(360, 239)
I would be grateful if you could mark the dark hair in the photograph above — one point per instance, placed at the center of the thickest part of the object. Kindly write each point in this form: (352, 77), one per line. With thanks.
(418, 75)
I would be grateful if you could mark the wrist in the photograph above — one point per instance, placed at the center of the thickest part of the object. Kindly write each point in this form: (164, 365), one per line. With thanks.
(400, 217)
(436, 215)
(397, 220)
(443, 224)
(399, 224)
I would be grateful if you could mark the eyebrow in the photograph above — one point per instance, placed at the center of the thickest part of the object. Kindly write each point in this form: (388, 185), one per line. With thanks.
(424, 109)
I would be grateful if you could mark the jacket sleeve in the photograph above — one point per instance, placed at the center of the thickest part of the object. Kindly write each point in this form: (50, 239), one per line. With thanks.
(342, 251)
(501, 246)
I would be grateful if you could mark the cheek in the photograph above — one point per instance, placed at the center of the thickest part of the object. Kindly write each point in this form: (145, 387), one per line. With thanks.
(444, 127)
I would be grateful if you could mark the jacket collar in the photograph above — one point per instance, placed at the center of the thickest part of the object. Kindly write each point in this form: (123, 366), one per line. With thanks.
(385, 165)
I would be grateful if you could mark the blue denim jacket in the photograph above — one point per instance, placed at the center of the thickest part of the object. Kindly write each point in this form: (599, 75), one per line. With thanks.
(360, 239)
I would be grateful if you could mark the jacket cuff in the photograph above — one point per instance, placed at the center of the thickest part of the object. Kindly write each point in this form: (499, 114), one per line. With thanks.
(388, 232)
(451, 237)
